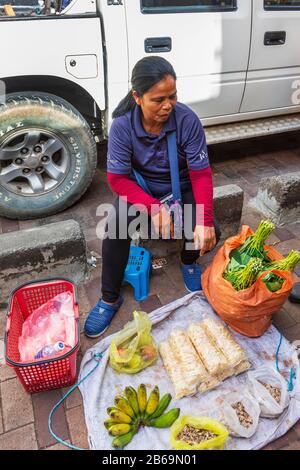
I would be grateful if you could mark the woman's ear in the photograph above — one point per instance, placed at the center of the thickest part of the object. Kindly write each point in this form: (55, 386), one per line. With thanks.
(136, 98)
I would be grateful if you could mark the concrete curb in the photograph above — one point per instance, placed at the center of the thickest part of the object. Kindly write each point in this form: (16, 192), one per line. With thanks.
(278, 198)
(53, 250)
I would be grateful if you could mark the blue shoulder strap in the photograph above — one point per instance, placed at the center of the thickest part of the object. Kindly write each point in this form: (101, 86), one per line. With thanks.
(174, 168)
(141, 182)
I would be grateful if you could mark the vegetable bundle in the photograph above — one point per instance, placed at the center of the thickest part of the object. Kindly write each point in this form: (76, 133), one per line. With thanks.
(251, 259)
(247, 302)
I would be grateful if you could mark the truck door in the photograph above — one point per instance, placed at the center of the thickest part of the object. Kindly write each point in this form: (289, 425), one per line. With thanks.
(206, 41)
(274, 66)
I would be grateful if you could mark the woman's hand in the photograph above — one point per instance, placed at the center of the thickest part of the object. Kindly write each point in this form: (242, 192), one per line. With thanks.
(163, 223)
(204, 238)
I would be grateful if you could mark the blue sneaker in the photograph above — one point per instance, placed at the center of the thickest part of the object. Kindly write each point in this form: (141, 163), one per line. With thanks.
(191, 276)
(100, 317)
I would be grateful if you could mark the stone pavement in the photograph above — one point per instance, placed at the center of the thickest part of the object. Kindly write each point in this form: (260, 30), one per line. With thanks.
(23, 418)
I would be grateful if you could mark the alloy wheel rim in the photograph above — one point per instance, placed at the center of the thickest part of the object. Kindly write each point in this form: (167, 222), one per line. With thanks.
(33, 162)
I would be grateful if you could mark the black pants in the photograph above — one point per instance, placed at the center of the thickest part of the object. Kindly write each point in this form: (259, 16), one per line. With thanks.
(116, 246)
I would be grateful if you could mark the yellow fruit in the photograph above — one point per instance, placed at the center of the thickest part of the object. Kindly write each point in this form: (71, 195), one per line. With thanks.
(153, 401)
(148, 353)
(162, 406)
(142, 398)
(123, 405)
(109, 422)
(120, 417)
(119, 429)
(131, 396)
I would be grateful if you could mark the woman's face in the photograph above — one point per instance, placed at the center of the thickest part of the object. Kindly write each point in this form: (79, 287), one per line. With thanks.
(159, 101)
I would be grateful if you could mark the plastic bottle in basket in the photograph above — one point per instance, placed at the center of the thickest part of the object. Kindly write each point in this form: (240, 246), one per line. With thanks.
(50, 350)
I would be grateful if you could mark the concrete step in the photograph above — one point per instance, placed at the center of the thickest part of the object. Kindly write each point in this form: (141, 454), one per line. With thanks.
(53, 250)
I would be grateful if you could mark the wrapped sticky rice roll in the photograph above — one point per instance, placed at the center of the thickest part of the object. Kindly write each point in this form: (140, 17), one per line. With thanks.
(214, 361)
(223, 340)
(175, 371)
(185, 353)
(209, 384)
(242, 367)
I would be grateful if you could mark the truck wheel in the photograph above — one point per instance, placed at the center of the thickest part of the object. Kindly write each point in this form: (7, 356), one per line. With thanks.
(48, 155)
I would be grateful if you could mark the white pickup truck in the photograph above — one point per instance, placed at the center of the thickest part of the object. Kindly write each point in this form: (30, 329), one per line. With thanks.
(65, 66)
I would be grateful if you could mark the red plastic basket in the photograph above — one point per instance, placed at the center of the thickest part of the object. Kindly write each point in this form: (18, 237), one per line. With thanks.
(47, 374)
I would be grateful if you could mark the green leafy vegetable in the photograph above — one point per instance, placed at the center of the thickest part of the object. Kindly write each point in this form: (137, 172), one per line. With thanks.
(246, 276)
(254, 245)
(287, 264)
(273, 282)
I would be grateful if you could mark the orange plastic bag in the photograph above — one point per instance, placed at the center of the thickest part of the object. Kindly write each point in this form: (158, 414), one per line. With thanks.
(249, 311)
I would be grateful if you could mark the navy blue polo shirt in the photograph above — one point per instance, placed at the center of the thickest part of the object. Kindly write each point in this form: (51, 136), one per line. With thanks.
(130, 146)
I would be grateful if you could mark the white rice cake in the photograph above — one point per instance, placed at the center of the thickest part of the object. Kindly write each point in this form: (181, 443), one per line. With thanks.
(221, 337)
(175, 371)
(242, 367)
(185, 353)
(214, 361)
(209, 384)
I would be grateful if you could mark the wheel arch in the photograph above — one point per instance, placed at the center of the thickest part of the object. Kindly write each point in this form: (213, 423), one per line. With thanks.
(63, 88)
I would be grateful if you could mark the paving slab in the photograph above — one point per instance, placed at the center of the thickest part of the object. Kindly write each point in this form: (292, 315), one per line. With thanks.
(16, 405)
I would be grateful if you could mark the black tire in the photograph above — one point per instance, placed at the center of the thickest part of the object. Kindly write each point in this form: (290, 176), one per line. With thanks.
(52, 114)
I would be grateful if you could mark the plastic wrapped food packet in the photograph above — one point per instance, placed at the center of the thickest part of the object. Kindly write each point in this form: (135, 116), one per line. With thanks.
(269, 388)
(181, 345)
(175, 371)
(213, 360)
(224, 341)
(50, 323)
(241, 413)
(208, 384)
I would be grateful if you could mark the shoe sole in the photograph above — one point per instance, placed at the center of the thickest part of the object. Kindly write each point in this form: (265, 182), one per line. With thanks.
(191, 291)
(96, 336)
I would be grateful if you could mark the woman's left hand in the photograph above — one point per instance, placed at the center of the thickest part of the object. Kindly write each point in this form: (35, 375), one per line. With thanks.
(204, 238)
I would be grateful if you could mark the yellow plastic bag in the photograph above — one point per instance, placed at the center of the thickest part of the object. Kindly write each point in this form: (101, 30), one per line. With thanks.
(200, 423)
(133, 349)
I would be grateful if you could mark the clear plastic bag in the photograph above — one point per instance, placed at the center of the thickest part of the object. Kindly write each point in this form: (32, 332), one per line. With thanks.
(49, 324)
(231, 417)
(133, 349)
(270, 407)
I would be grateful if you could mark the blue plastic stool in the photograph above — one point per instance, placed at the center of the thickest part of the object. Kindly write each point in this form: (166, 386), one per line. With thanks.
(137, 271)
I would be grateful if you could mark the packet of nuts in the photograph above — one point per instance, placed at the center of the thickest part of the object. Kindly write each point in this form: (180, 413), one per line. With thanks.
(270, 390)
(241, 413)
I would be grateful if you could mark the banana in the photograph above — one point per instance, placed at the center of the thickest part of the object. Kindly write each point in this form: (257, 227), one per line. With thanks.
(152, 402)
(166, 420)
(162, 405)
(111, 408)
(120, 417)
(131, 396)
(121, 441)
(123, 405)
(142, 398)
(109, 422)
(119, 429)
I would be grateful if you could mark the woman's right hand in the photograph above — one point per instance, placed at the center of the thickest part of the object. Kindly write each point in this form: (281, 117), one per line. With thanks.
(163, 223)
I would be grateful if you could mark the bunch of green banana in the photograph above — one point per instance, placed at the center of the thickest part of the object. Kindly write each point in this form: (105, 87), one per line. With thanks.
(134, 409)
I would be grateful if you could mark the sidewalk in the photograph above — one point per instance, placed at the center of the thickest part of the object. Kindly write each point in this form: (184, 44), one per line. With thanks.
(23, 418)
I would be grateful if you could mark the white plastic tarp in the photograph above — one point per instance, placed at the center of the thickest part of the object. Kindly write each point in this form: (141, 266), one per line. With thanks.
(99, 389)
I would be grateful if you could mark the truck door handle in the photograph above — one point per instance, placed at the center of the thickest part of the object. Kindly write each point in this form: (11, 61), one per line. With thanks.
(275, 38)
(158, 45)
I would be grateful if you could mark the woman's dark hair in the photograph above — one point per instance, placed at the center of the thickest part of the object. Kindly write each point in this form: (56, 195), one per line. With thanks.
(146, 73)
